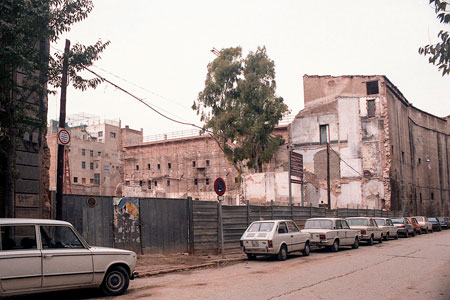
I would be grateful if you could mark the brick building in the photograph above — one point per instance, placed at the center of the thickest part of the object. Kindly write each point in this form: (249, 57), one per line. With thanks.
(385, 153)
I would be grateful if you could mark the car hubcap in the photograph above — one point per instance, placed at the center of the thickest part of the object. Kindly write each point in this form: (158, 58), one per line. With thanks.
(115, 281)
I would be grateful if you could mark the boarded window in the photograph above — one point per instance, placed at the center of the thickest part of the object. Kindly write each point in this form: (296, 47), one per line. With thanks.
(371, 108)
(372, 87)
(323, 134)
(96, 178)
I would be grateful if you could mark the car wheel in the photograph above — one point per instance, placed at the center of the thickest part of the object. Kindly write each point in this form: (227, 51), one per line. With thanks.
(307, 249)
(406, 234)
(414, 233)
(380, 240)
(282, 255)
(116, 281)
(419, 232)
(370, 241)
(386, 237)
(356, 243)
(335, 246)
(251, 256)
(396, 236)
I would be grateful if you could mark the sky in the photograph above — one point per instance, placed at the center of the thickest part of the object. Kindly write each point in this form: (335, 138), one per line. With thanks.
(160, 51)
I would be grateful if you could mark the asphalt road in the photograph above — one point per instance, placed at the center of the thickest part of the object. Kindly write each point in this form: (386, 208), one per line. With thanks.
(415, 269)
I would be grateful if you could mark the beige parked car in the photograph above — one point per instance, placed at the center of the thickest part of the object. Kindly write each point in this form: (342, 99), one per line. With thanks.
(274, 237)
(47, 255)
(369, 229)
(331, 233)
(425, 225)
(389, 229)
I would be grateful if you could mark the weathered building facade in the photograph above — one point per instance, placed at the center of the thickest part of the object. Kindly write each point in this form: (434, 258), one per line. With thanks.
(95, 155)
(384, 152)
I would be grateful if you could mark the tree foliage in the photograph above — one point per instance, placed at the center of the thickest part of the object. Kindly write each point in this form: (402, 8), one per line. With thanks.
(239, 107)
(28, 70)
(439, 53)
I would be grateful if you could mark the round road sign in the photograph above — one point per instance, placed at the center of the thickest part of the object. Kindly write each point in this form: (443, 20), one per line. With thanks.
(219, 186)
(91, 201)
(63, 136)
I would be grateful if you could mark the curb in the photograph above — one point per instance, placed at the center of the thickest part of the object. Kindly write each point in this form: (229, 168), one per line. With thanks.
(215, 263)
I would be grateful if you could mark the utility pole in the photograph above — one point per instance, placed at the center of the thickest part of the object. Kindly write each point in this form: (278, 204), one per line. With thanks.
(328, 170)
(62, 124)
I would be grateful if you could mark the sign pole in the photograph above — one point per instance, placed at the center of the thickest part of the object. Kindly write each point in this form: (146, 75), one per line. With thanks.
(289, 178)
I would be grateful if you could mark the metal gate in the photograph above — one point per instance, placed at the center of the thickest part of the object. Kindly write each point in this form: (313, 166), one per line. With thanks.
(164, 225)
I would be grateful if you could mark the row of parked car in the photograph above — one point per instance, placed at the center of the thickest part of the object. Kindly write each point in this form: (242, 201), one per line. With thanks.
(281, 237)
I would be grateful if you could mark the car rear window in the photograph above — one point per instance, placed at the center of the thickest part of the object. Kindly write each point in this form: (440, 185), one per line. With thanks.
(318, 224)
(419, 218)
(432, 219)
(261, 227)
(358, 222)
(380, 222)
(397, 221)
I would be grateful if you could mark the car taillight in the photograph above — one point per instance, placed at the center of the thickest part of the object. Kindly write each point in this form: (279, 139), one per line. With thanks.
(323, 237)
(269, 244)
(402, 226)
(363, 231)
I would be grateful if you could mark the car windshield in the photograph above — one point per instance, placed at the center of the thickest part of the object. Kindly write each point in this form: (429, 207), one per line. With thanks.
(318, 224)
(397, 221)
(380, 222)
(432, 219)
(261, 227)
(358, 222)
(419, 219)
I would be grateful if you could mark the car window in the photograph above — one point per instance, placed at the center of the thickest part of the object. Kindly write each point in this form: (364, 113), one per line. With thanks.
(261, 227)
(318, 224)
(345, 224)
(358, 222)
(59, 237)
(338, 224)
(407, 221)
(282, 228)
(397, 221)
(292, 227)
(21, 237)
(381, 222)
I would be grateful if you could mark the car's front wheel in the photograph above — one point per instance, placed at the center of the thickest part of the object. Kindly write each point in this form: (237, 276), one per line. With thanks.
(370, 241)
(251, 256)
(355, 244)
(335, 246)
(386, 236)
(116, 281)
(307, 249)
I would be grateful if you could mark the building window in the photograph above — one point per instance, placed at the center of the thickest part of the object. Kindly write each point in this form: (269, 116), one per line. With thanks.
(112, 135)
(127, 182)
(193, 164)
(371, 108)
(91, 166)
(91, 181)
(91, 153)
(207, 162)
(195, 181)
(156, 183)
(149, 183)
(96, 178)
(372, 87)
(83, 152)
(168, 182)
(169, 165)
(83, 165)
(432, 196)
(100, 133)
(99, 153)
(420, 160)
(83, 180)
(96, 165)
(323, 134)
(75, 179)
(403, 156)
(159, 166)
(148, 166)
(141, 182)
(235, 180)
(207, 181)
(137, 167)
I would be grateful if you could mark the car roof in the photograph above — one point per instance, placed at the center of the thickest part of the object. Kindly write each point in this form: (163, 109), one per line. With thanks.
(325, 218)
(273, 221)
(15, 221)
(360, 218)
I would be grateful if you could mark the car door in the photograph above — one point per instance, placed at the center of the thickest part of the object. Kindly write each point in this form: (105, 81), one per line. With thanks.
(283, 235)
(349, 236)
(340, 232)
(65, 260)
(297, 238)
(20, 258)
(377, 231)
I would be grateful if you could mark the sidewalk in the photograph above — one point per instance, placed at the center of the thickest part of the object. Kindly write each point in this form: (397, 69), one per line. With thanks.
(155, 264)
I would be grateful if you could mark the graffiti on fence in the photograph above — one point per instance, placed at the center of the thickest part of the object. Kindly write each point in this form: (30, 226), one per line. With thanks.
(127, 224)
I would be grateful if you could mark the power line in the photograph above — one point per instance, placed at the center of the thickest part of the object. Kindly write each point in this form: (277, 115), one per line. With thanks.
(340, 158)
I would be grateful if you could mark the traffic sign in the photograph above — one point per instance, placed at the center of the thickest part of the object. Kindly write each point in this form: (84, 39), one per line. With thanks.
(91, 202)
(63, 137)
(219, 186)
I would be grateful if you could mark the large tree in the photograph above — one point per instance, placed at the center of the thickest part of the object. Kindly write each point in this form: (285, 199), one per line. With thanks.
(28, 70)
(240, 108)
(439, 53)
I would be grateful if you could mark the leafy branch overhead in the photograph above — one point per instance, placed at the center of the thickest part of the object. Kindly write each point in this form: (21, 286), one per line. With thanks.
(240, 108)
(439, 53)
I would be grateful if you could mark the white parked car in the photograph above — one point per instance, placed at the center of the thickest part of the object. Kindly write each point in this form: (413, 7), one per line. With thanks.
(369, 229)
(48, 255)
(389, 229)
(425, 224)
(274, 237)
(331, 233)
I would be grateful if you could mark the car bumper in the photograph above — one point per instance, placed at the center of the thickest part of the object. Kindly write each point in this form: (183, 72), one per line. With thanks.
(262, 251)
(322, 243)
(134, 275)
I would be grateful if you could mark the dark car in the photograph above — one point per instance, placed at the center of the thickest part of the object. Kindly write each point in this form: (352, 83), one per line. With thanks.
(404, 226)
(445, 222)
(435, 223)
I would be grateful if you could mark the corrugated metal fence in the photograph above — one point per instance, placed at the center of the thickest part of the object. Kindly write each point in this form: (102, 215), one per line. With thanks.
(148, 225)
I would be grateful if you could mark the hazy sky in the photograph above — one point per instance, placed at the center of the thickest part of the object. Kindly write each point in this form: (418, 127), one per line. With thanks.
(160, 50)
